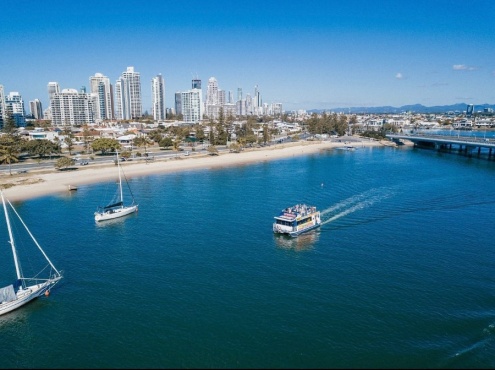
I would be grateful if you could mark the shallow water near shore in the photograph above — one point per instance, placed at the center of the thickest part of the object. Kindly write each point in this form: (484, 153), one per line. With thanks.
(400, 274)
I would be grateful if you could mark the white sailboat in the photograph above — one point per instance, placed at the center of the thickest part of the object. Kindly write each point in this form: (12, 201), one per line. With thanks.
(25, 289)
(116, 208)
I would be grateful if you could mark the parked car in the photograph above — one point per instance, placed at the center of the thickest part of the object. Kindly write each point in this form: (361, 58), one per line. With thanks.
(84, 163)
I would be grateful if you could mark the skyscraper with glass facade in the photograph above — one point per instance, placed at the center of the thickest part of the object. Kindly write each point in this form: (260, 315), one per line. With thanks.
(158, 98)
(128, 95)
(102, 91)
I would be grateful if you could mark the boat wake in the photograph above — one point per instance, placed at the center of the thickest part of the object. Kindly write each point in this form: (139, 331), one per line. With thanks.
(353, 204)
(465, 355)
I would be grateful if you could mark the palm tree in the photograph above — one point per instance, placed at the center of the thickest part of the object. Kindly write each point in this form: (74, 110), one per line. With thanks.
(8, 154)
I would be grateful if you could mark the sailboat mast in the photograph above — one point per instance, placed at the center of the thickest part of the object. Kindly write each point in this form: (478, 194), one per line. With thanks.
(17, 269)
(32, 237)
(120, 180)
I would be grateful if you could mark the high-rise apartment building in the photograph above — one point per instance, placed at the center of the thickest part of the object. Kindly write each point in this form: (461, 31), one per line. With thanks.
(249, 109)
(196, 84)
(469, 110)
(102, 91)
(257, 102)
(128, 95)
(192, 105)
(53, 88)
(70, 108)
(229, 109)
(47, 114)
(178, 103)
(212, 99)
(14, 106)
(241, 107)
(221, 97)
(276, 109)
(212, 91)
(3, 116)
(36, 109)
(158, 98)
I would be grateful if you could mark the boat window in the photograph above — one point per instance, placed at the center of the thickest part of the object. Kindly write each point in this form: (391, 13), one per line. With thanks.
(285, 223)
(304, 220)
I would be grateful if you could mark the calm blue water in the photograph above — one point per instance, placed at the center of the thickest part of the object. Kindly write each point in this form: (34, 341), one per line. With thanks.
(401, 274)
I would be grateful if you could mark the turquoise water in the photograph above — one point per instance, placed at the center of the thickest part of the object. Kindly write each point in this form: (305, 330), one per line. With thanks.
(401, 273)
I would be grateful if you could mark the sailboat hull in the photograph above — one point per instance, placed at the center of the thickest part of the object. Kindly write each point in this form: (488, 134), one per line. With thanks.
(27, 295)
(115, 213)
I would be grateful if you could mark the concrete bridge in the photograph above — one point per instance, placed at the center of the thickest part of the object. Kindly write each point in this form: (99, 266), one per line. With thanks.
(462, 144)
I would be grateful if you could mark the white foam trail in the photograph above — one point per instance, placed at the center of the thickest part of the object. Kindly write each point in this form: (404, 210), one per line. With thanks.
(354, 208)
(360, 205)
(470, 348)
(347, 202)
(344, 203)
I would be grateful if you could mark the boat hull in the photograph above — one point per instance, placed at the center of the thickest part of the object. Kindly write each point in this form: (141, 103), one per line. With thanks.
(116, 213)
(27, 295)
(296, 233)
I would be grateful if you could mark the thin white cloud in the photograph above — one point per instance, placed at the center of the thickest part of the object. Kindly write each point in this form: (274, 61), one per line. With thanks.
(463, 67)
(399, 76)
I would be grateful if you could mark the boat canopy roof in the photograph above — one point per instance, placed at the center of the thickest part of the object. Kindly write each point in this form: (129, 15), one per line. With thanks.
(286, 216)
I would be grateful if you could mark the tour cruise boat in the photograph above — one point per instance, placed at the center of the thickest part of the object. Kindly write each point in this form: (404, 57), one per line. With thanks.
(297, 220)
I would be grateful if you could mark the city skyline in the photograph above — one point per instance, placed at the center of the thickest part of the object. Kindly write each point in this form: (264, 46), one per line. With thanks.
(305, 56)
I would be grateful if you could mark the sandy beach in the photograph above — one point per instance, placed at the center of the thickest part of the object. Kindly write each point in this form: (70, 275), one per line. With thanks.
(37, 183)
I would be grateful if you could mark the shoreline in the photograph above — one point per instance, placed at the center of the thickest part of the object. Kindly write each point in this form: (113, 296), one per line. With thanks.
(49, 182)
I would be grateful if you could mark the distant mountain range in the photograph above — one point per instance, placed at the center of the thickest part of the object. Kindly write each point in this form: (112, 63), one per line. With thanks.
(415, 108)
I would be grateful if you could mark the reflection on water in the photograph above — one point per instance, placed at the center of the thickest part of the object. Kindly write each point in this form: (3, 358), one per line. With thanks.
(299, 243)
(16, 317)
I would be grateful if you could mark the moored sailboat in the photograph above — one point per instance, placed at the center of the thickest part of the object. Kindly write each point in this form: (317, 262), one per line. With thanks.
(25, 289)
(116, 208)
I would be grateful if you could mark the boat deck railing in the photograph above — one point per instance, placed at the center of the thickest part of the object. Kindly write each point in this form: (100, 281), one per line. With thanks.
(299, 210)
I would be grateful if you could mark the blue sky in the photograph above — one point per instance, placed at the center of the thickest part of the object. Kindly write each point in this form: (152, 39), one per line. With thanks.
(305, 55)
